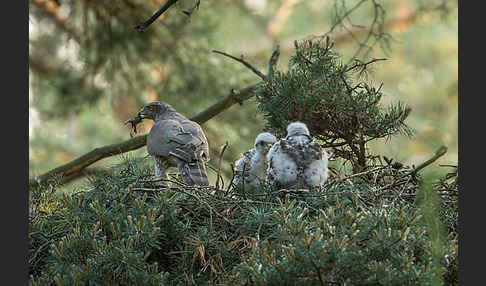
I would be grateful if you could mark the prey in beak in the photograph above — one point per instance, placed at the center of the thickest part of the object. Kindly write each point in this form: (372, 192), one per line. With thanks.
(149, 111)
(134, 121)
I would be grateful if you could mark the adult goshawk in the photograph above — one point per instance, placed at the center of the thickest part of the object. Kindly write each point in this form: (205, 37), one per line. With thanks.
(173, 136)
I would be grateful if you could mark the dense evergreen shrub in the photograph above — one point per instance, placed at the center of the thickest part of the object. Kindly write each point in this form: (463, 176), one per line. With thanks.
(129, 230)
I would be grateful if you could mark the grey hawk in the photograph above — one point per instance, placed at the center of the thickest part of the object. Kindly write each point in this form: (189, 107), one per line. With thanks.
(173, 136)
(297, 161)
(251, 170)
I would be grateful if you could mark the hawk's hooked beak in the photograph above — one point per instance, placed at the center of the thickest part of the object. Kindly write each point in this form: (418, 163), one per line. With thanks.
(141, 114)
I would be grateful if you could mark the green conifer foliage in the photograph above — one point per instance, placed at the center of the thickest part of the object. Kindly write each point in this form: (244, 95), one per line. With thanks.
(129, 230)
(339, 109)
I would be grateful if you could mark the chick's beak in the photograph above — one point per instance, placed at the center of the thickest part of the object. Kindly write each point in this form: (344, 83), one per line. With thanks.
(267, 146)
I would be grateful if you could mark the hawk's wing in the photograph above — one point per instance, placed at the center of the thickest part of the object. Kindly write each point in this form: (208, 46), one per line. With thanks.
(165, 137)
(170, 138)
(244, 162)
(282, 170)
(316, 172)
(196, 130)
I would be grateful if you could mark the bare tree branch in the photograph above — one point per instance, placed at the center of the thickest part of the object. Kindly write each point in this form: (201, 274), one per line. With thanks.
(363, 65)
(378, 21)
(190, 11)
(218, 177)
(142, 26)
(245, 63)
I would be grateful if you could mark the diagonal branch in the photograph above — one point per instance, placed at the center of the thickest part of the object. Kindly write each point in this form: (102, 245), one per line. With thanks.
(272, 63)
(142, 26)
(245, 63)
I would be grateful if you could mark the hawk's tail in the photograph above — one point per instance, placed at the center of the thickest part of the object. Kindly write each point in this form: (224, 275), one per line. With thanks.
(190, 162)
(194, 173)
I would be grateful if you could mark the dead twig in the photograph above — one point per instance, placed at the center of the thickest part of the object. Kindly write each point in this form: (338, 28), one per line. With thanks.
(191, 10)
(218, 177)
(361, 174)
(362, 65)
(245, 63)
(232, 179)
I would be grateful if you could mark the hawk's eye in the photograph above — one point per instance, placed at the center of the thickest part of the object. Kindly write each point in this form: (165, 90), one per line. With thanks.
(151, 108)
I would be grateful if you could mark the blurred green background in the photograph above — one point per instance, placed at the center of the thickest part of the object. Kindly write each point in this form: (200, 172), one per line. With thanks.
(90, 70)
